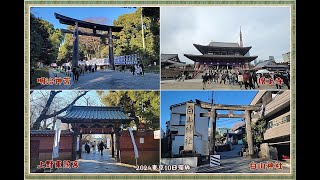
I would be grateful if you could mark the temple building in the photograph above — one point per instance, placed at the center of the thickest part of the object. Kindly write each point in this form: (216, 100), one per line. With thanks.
(171, 61)
(222, 55)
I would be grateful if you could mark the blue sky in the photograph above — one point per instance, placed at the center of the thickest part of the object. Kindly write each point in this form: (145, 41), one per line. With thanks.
(169, 98)
(109, 13)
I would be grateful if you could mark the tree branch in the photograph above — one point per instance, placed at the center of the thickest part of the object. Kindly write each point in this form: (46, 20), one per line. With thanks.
(65, 108)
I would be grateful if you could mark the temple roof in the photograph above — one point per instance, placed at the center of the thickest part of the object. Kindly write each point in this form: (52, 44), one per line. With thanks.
(71, 21)
(171, 57)
(223, 44)
(265, 63)
(48, 132)
(94, 114)
(209, 57)
(219, 47)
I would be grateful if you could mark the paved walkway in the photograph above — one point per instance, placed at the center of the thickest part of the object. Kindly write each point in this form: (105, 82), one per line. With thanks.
(108, 80)
(114, 80)
(241, 165)
(197, 84)
(232, 162)
(95, 163)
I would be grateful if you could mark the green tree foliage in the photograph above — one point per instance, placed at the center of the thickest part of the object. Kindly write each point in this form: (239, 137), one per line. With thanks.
(91, 45)
(105, 52)
(44, 41)
(257, 130)
(65, 51)
(144, 105)
(131, 36)
(218, 137)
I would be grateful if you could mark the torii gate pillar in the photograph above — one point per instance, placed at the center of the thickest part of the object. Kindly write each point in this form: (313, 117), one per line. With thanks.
(249, 133)
(75, 52)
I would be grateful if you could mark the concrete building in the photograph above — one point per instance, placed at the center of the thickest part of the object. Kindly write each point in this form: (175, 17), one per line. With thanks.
(286, 57)
(176, 128)
(277, 115)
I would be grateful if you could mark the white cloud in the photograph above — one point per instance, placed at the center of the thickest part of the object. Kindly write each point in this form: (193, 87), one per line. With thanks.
(266, 29)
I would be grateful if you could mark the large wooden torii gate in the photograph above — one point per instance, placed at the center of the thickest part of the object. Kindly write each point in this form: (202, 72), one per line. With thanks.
(213, 114)
(94, 26)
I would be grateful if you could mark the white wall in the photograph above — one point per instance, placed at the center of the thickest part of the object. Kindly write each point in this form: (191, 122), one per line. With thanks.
(200, 133)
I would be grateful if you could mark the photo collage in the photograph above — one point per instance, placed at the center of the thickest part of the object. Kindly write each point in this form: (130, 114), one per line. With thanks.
(159, 91)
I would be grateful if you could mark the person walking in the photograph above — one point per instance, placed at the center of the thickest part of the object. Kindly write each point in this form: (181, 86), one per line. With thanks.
(255, 80)
(286, 79)
(94, 145)
(240, 79)
(204, 81)
(223, 78)
(101, 147)
(246, 79)
(142, 69)
(77, 73)
(87, 148)
(250, 81)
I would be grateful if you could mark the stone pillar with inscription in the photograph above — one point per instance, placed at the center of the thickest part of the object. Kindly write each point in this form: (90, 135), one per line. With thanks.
(189, 130)
(213, 132)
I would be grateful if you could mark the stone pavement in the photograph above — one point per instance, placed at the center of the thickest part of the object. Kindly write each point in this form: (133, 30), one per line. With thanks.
(114, 80)
(232, 162)
(108, 80)
(241, 165)
(236, 165)
(95, 163)
(197, 84)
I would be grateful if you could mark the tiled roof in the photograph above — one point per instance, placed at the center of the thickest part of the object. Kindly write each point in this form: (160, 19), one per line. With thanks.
(47, 132)
(223, 44)
(172, 57)
(94, 113)
(264, 63)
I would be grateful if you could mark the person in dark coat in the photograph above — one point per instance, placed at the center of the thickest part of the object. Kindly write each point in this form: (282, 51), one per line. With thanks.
(255, 79)
(101, 147)
(204, 80)
(286, 79)
(87, 148)
(246, 77)
(142, 69)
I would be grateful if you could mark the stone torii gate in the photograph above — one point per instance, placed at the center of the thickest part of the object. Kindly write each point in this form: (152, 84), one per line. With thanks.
(213, 114)
(94, 26)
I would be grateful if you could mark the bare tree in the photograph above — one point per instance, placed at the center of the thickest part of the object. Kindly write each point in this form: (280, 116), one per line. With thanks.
(45, 111)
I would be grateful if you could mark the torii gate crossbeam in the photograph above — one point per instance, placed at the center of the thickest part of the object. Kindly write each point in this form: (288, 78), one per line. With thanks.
(94, 26)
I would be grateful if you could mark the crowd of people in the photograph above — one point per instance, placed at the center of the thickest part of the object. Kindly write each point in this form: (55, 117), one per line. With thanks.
(94, 146)
(137, 70)
(81, 69)
(248, 79)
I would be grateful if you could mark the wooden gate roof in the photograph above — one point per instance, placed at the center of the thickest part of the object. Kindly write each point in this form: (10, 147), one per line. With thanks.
(95, 114)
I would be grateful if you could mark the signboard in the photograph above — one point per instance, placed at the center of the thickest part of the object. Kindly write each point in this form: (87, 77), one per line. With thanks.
(78, 143)
(108, 143)
(214, 160)
(141, 140)
(156, 134)
(189, 127)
